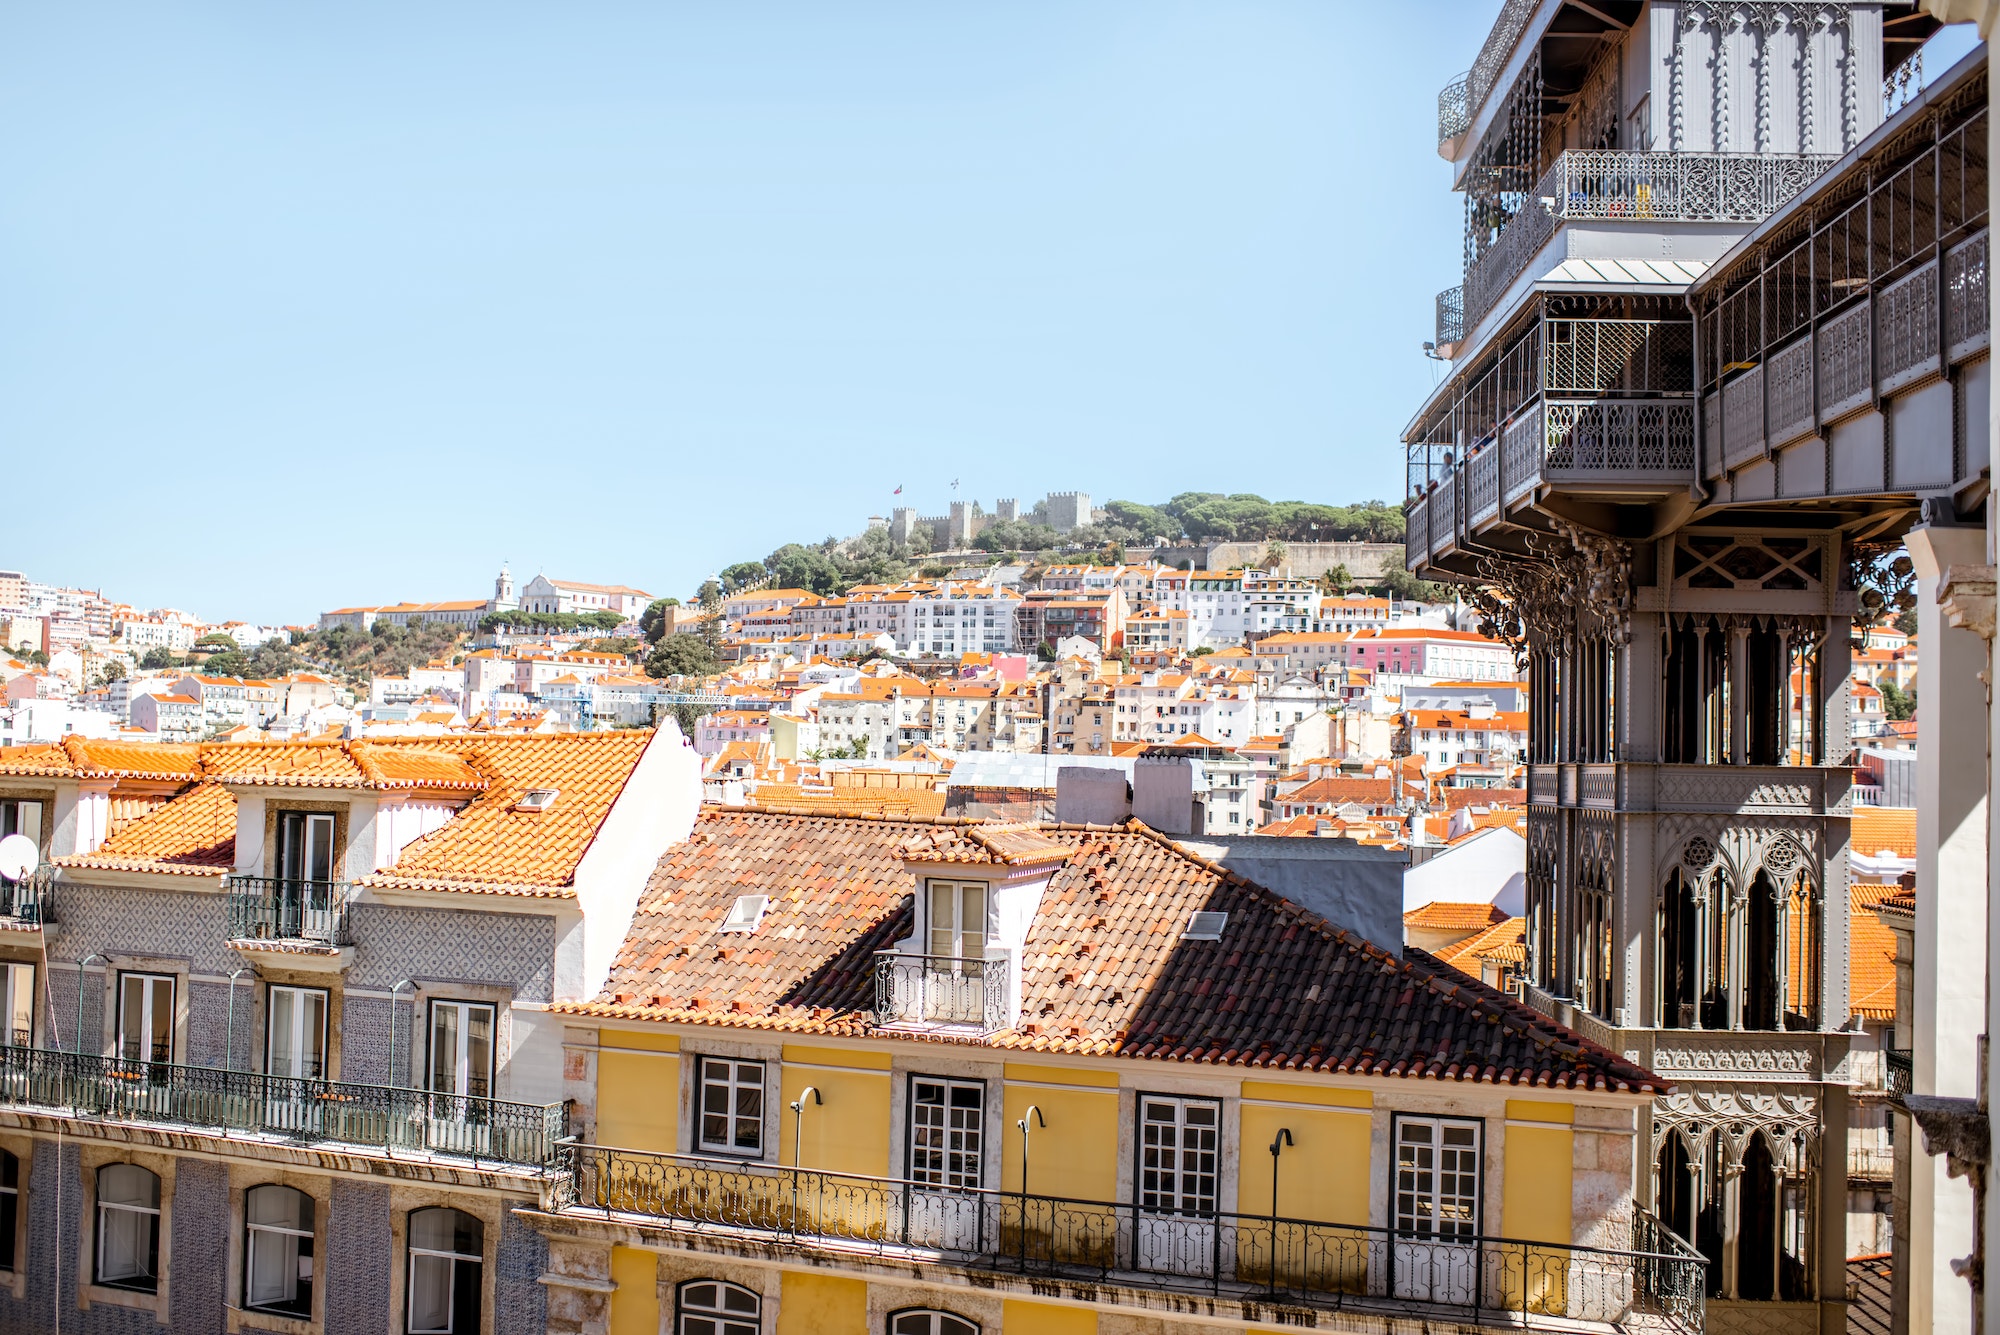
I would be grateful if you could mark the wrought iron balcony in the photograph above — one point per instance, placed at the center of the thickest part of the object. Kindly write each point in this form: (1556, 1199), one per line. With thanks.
(1450, 321)
(1896, 1062)
(1631, 185)
(941, 990)
(1657, 1282)
(278, 908)
(30, 901)
(1454, 110)
(110, 1089)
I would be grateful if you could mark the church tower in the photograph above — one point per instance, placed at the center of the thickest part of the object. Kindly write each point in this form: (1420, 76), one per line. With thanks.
(503, 591)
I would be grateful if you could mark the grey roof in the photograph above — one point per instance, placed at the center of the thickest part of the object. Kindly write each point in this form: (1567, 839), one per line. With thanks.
(1000, 769)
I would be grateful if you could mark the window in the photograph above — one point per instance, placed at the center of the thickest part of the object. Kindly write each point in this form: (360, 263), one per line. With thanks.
(446, 1249)
(128, 1228)
(958, 920)
(145, 1017)
(712, 1307)
(296, 1046)
(1178, 1154)
(732, 1105)
(462, 1048)
(10, 1208)
(947, 1130)
(1437, 1176)
(305, 845)
(278, 1250)
(17, 994)
(930, 1323)
(21, 817)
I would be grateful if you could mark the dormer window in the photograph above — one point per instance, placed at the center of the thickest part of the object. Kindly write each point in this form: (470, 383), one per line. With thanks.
(957, 920)
(305, 845)
(536, 799)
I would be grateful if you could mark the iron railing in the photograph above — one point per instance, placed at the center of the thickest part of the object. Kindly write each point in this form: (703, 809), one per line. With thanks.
(282, 908)
(1450, 319)
(1903, 83)
(111, 1089)
(1493, 56)
(1605, 183)
(1454, 108)
(941, 990)
(30, 900)
(1871, 1163)
(1310, 1263)
(1897, 1062)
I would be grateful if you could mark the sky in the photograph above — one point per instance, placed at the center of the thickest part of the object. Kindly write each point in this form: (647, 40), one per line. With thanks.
(305, 305)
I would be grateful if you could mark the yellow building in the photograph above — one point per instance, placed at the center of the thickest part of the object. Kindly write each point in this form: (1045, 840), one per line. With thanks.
(870, 1076)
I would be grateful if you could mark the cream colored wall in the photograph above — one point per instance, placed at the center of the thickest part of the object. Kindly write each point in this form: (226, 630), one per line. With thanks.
(1323, 1175)
(813, 1304)
(635, 1307)
(1076, 1155)
(848, 1130)
(1540, 1161)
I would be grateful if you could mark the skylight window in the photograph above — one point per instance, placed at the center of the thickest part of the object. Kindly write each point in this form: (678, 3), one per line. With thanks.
(1204, 926)
(536, 799)
(745, 913)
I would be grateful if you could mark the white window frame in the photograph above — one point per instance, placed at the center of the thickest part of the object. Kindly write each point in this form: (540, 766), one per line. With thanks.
(960, 940)
(1206, 1198)
(104, 1208)
(148, 1011)
(928, 1321)
(1416, 1200)
(462, 1073)
(17, 1005)
(299, 997)
(251, 1234)
(735, 1076)
(451, 1284)
(317, 830)
(954, 1168)
(719, 1317)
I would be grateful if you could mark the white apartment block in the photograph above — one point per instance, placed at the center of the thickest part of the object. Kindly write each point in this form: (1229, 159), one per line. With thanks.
(542, 594)
(1163, 707)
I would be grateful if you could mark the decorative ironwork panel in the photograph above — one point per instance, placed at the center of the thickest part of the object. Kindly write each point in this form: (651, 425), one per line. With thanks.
(1541, 785)
(1443, 519)
(1711, 431)
(1522, 444)
(1454, 108)
(1482, 486)
(1566, 785)
(1590, 357)
(1416, 540)
(1620, 435)
(1791, 396)
(1681, 187)
(1907, 328)
(1598, 787)
(1743, 417)
(1968, 314)
(1493, 55)
(1730, 789)
(1846, 363)
(1450, 317)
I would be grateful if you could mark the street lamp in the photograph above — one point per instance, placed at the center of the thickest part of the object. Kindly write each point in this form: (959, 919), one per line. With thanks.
(1278, 1142)
(1035, 1112)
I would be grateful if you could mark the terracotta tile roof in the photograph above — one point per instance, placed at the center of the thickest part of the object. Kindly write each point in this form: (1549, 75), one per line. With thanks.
(1445, 916)
(1871, 955)
(1872, 829)
(900, 802)
(193, 835)
(1454, 798)
(79, 757)
(1105, 970)
(1506, 941)
(1331, 789)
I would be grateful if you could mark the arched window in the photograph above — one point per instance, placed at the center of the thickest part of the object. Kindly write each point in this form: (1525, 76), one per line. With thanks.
(930, 1323)
(128, 1228)
(446, 1248)
(715, 1307)
(10, 1208)
(278, 1250)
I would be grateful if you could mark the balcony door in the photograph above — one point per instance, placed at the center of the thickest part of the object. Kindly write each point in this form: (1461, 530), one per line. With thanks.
(145, 1017)
(947, 1126)
(304, 892)
(17, 993)
(461, 1049)
(1179, 1164)
(1437, 1209)
(295, 1046)
(954, 979)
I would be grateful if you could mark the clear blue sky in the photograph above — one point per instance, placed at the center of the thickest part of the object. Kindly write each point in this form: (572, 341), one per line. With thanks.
(310, 304)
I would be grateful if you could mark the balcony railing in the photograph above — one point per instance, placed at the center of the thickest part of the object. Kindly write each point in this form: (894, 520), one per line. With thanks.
(1897, 1062)
(1871, 1163)
(110, 1089)
(1454, 109)
(941, 990)
(277, 908)
(1450, 320)
(1629, 184)
(1329, 1267)
(30, 901)
(1493, 55)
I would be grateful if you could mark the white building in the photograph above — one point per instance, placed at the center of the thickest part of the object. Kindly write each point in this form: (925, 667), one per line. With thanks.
(543, 594)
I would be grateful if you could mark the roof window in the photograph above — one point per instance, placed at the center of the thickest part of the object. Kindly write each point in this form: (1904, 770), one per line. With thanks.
(537, 799)
(745, 913)
(1205, 926)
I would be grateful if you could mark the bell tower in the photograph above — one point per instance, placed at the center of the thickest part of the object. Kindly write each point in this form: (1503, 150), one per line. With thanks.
(503, 590)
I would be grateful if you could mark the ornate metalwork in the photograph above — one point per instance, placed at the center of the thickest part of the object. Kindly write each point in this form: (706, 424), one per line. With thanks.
(1968, 314)
(1791, 392)
(1743, 417)
(1906, 328)
(107, 1089)
(273, 908)
(1697, 854)
(1619, 435)
(1455, 108)
(1482, 485)
(1788, 1121)
(1521, 444)
(1903, 84)
(1416, 538)
(941, 990)
(1450, 319)
(1602, 586)
(1322, 1266)
(1493, 56)
(1884, 574)
(31, 900)
(1846, 365)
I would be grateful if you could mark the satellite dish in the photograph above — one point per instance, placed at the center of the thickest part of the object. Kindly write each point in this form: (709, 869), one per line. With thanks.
(18, 856)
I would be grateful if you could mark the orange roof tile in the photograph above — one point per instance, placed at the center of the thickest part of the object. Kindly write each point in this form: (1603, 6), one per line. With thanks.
(193, 835)
(1506, 941)
(1871, 955)
(1874, 829)
(1106, 970)
(1445, 916)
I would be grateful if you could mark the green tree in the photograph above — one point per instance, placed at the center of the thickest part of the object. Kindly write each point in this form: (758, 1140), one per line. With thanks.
(1147, 522)
(794, 566)
(158, 659)
(1897, 704)
(742, 575)
(653, 621)
(231, 663)
(681, 655)
(113, 670)
(709, 598)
